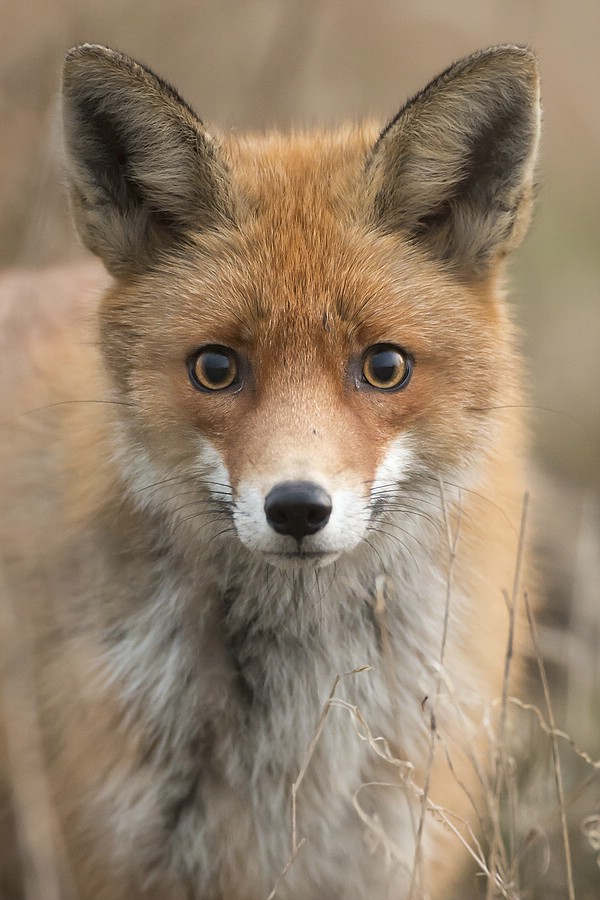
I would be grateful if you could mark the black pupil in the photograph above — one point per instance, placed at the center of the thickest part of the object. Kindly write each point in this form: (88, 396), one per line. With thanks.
(385, 365)
(216, 367)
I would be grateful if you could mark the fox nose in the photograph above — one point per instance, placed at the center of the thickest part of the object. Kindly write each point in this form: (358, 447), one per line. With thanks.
(297, 508)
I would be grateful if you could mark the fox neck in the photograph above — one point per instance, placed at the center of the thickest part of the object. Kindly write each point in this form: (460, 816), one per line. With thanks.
(200, 608)
(226, 617)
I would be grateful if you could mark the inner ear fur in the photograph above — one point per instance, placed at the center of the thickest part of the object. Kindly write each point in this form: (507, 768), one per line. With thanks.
(455, 168)
(142, 169)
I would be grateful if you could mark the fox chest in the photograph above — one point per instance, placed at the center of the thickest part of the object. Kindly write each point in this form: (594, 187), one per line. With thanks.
(237, 718)
(224, 799)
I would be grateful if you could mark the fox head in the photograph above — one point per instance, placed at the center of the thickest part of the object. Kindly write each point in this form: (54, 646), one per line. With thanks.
(302, 327)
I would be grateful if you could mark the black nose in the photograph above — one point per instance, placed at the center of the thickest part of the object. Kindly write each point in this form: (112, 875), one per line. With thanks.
(297, 508)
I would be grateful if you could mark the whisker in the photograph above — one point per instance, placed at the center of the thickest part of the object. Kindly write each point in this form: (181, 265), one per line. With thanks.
(229, 530)
(413, 537)
(397, 540)
(211, 502)
(224, 499)
(48, 406)
(528, 406)
(410, 512)
(216, 517)
(183, 478)
(323, 593)
(429, 485)
(415, 495)
(375, 550)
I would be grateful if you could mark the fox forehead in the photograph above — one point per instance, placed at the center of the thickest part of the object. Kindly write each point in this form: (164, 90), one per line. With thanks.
(301, 174)
(308, 251)
(303, 261)
(298, 255)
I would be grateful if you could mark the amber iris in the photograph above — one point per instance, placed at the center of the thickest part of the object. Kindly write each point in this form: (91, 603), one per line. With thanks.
(386, 367)
(213, 368)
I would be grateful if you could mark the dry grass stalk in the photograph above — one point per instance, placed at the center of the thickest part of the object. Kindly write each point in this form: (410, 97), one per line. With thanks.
(296, 844)
(497, 850)
(555, 754)
(452, 550)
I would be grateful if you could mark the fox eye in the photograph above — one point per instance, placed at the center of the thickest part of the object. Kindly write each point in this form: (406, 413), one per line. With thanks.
(386, 367)
(213, 368)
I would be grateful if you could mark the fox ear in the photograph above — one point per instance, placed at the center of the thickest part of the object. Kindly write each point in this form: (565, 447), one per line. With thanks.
(454, 169)
(142, 169)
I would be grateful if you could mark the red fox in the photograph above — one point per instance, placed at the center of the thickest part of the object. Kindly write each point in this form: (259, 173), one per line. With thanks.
(262, 487)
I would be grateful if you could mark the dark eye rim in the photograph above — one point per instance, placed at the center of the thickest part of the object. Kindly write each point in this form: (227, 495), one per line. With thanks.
(406, 356)
(213, 348)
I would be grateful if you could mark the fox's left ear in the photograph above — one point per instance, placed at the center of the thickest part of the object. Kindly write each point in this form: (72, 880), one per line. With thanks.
(455, 168)
(143, 171)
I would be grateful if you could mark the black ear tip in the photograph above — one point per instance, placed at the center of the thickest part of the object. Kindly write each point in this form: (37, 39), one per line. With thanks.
(87, 57)
(88, 51)
(80, 58)
(517, 51)
(519, 58)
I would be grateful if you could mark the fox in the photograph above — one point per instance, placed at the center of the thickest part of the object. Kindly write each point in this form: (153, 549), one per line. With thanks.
(263, 469)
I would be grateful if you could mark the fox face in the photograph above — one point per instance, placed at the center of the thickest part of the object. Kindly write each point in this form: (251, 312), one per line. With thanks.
(308, 403)
(304, 328)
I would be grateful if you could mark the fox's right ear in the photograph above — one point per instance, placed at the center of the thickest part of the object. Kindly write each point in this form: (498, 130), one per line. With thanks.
(454, 170)
(142, 169)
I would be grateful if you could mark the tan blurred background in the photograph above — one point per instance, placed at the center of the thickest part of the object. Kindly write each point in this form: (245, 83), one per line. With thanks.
(257, 63)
